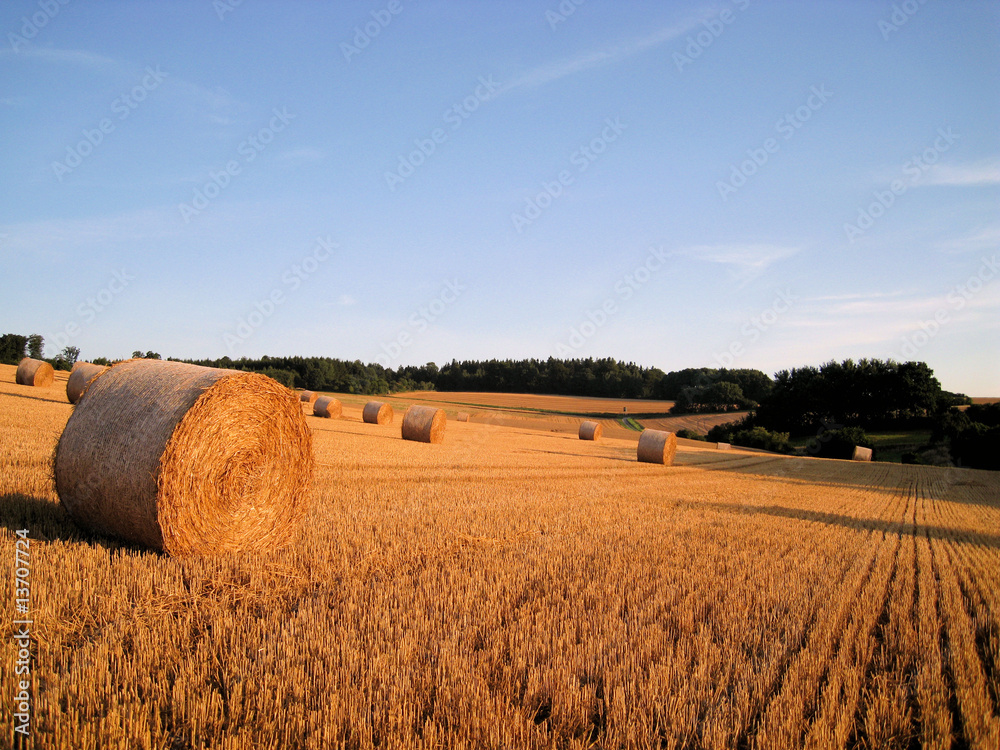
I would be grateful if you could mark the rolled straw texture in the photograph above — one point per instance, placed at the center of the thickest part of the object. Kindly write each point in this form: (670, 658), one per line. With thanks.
(657, 447)
(327, 406)
(590, 431)
(34, 372)
(424, 424)
(186, 459)
(376, 412)
(83, 373)
(463, 416)
(861, 454)
(308, 396)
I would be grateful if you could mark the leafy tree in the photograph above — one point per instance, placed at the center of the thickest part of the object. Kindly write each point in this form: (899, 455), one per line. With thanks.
(35, 346)
(70, 354)
(12, 348)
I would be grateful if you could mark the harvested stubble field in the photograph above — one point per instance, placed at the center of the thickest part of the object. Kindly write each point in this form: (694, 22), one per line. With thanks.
(513, 588)
(564, 413)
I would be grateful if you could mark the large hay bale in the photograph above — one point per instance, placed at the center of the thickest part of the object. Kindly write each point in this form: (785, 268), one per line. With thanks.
(308, 397)
(861, 454)
(186, 459)
(590, 430)
(81, 376)
(657, 447)
(34, 372)
(327, 406)
(463, 416)
(376, 412)
(425, 424)
(723, 446)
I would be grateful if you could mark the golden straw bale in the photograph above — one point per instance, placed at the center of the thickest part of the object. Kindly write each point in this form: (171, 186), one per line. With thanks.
(723, 446)
(657, 447)
(590, 430)
(327, 406)
(186, 459)
(463, 416)
(34, 372)
(81, 376)
(424, 424)
(376, 412)
(308, 397)
(861, 454)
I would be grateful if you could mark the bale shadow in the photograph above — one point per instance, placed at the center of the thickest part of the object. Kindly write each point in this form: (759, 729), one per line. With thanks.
(44, 519)
(47, 521)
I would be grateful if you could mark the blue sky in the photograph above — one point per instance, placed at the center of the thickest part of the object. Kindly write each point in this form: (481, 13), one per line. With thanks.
(742, 183)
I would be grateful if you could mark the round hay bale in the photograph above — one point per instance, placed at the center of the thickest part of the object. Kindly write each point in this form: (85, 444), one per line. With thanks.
(376, 412)
(657, 447)
(463, 416)
(327, 406)
(308, 396)
(34, 372)
(861, 453)
(186, 459)
(425, 424)
(81, 376)
(590, 430)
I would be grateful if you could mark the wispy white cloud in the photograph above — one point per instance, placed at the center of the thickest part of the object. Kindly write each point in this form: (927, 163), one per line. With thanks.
(985, 172)
(745, 262)
(986, 238)
(556, 70)
(62, 56)
(304, 154)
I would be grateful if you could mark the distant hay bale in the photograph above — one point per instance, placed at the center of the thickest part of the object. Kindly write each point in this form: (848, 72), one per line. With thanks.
(327, 406)
(81, 376)
(861, 454)
(34, 372)
(424, 424)
(723, 446)
(657, 447)
(377, 412)
(308, 396)
(463, 416)
(186, 459)
(590, 430)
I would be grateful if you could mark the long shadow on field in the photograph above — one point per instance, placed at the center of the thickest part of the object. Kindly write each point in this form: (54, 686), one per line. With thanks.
(45, 520)
(852, 522)
(48, 398)
(945, 483)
